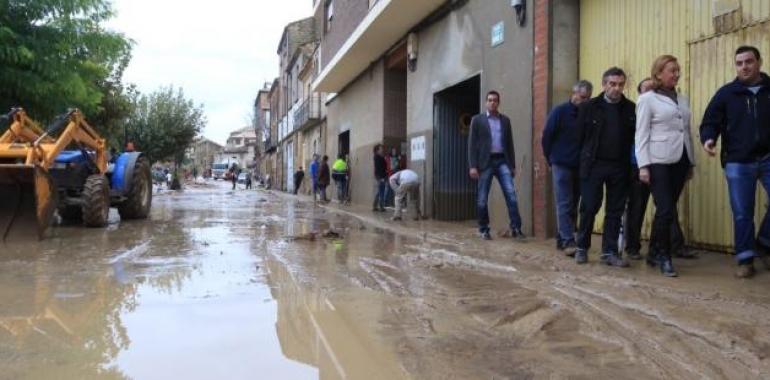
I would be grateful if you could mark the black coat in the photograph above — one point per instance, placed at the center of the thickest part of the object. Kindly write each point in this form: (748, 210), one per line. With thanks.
(742, 119)
(480, 142)
(592, 120)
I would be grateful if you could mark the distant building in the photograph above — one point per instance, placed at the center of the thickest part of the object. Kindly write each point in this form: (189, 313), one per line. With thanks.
(240, 148)
(202, 154)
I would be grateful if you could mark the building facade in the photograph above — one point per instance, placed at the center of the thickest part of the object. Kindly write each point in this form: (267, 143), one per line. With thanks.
(241, 149)
(202, 154)
(410, 76)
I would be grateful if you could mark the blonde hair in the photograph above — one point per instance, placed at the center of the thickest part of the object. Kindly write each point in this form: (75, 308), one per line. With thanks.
(657, 67)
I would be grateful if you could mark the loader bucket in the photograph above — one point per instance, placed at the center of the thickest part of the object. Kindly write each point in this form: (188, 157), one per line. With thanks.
(27, 202)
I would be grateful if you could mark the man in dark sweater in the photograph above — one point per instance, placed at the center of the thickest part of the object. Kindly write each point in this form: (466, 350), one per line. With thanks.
(380, 177)
(607, 124)
(739, 113)
(561, 147)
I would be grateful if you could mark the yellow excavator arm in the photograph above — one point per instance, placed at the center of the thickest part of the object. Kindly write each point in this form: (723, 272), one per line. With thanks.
(27, 192)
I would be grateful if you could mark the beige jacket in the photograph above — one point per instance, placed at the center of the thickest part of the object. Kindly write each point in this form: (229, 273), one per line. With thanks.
(662, 130)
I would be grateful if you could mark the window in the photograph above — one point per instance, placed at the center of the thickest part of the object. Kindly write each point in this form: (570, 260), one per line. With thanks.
(329, 14)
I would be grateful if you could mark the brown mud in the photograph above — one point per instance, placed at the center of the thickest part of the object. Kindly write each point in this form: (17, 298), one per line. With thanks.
(252, 284)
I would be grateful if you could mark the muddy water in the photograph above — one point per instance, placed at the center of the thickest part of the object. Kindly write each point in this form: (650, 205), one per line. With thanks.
(230, 285)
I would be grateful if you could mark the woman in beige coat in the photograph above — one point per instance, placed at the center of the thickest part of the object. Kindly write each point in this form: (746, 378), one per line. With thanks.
(664, 153)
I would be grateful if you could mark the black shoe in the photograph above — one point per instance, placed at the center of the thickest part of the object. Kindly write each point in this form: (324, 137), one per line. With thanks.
(581, 256)
(685, 253)
(652, 260)
(667, 267)
(486, 235)
(613, 260)
(634, 254)
(560, 245)
(518, 235)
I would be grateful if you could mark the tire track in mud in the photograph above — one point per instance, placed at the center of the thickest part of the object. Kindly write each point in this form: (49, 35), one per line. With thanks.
(569, 320)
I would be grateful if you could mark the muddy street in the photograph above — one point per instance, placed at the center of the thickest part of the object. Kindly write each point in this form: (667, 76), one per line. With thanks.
(252, 284)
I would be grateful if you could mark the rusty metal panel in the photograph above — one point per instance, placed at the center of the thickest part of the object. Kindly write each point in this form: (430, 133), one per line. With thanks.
(708, 18)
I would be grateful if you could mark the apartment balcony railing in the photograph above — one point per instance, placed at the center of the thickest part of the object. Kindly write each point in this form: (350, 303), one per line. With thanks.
(308, 113)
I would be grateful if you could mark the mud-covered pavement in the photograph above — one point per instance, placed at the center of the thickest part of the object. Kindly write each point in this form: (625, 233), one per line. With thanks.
(222, 284)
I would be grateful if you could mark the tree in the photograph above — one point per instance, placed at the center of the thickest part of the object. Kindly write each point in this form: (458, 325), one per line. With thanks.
(57, 55)
(164, 124)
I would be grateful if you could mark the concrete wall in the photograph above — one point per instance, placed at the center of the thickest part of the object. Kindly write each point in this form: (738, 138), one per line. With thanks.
(360, 109)
(347, 15)
(459, 47)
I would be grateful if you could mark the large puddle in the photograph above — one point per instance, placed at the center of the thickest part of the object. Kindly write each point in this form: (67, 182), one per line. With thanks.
(250, 285)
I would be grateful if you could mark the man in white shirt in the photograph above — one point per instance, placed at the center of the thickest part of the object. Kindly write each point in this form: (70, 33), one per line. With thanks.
(406, 182)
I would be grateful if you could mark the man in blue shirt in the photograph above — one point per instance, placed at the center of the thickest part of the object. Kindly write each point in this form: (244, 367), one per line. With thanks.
(314, 175)
(561, 147)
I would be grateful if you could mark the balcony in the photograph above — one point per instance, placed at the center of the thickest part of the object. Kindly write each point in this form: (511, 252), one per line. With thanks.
(308, 113)
(387, 22)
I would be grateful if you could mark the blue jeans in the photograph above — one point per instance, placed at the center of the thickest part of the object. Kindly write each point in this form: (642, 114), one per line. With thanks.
(742, 184)
(379, 195)
(497, 168)
(566, 186)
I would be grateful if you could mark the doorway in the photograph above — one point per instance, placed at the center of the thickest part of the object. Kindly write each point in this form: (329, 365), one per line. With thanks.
(454, 193)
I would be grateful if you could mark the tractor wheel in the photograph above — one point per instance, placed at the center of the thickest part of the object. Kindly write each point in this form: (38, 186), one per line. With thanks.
(71, 213)
(96, 201)
(139, 198)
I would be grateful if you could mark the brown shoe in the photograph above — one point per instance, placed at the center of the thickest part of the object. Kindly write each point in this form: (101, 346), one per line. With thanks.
(745, 271)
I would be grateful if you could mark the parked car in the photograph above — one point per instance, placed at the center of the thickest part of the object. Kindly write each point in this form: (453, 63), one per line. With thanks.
(242, 177)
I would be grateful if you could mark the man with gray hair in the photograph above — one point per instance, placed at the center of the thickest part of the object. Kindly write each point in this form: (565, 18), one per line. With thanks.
(561, 148)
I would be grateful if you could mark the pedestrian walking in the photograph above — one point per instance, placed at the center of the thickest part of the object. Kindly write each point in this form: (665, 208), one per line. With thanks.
(234, 172)
(606, 125)
(298, 176)
(169, 180)
(561, 148)
(380, 178)
(740, 113)
(341, 176)
(314, 166)
(248, 180)
(406, 184)
(664, 153)
(636, 207)
(324, 178)
(491, 154)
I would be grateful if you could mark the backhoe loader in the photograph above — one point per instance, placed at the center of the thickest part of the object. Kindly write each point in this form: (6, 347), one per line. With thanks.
(39, 177)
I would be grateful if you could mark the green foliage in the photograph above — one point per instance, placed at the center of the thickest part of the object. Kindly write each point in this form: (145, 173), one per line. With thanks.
(56, 55)
(164, 124)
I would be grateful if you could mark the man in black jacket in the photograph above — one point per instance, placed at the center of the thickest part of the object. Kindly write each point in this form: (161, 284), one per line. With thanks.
(740, 113)
(491, 154)
(607, 124)
(380, 178)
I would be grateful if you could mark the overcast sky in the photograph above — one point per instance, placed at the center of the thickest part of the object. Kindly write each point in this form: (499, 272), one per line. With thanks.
(220, 52)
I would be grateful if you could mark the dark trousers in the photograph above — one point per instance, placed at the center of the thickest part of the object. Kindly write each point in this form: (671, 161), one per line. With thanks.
(666, 184)
(638, 197)
(297, 183)
(614, 176)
